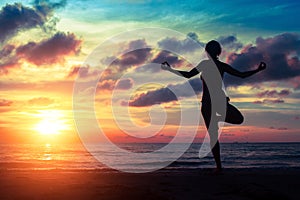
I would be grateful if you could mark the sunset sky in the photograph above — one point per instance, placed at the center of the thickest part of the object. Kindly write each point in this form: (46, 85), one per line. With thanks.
(44, 43)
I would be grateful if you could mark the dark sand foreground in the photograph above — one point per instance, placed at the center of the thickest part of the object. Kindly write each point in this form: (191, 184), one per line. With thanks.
(190, 184)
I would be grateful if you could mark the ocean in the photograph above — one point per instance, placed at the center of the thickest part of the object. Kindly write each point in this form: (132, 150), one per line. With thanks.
(75, 157)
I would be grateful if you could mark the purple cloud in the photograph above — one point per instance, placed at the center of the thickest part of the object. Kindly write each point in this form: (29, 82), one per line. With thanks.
(189, 44)
(269, 101)
(124, 84)
(279, 52)
(153, 97)
(280, 128)
(17, 17)
(274, 93)
(230, 42)
(164, 95)
(51, 50)
(8, 59)
(135, 57)
(167, 56)
(83, 72)
(48, 51)
(108, 84)
(120, 64)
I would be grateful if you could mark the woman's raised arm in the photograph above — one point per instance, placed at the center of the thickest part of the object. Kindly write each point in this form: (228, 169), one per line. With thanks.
(234, 72)
(185, 74)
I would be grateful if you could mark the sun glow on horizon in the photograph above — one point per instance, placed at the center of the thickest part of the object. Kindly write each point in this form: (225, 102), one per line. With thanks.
(51, 123)
(46, 127)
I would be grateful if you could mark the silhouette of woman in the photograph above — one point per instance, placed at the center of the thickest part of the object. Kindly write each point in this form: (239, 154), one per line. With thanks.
(233, 115)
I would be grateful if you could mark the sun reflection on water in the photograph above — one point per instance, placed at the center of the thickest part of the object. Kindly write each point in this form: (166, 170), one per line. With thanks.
(47, 152)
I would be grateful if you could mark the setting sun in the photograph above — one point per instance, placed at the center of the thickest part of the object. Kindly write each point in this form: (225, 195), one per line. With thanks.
(52, 123)
(52, 127)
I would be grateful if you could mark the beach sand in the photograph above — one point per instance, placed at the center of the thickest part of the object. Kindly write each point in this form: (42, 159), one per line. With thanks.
(198, 184)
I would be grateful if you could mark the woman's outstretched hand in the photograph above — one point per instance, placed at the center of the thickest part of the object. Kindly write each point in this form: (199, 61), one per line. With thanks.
(262, 66)
(165, 66)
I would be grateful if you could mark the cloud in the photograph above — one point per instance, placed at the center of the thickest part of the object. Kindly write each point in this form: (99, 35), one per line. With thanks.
(228, 134)
(163, 56)
(6, 50)
(4, 102)
(74, 71)
(154, 65)
(138, 53)
(124, 84)
(82, 72)
(295, 82)
(229, 42)
(7, 59)
(153, 97)
(41, 101)
(17, 17)
(269, 101)
(133, 58)
(143, 55)
(50, 51)
(166, 94)
(190, 44)
(280, 128)
(279, 52)
(149, 68)
(274, 93)
(106, 84)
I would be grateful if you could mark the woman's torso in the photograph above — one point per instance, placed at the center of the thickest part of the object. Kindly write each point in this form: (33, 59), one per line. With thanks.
(217, 83)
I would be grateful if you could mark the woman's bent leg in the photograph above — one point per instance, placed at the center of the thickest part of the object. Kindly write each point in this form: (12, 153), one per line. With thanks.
(233, 115)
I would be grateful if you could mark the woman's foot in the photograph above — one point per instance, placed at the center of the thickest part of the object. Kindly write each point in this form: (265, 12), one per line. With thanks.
(218, 171)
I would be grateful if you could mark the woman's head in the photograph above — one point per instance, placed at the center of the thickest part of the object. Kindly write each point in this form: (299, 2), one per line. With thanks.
(213, 48)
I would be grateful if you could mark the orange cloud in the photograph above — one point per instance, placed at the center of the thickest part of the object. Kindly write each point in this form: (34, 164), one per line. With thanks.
(4, 102)
(41, 101)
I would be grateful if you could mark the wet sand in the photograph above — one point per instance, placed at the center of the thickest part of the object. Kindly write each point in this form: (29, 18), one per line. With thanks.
(240, 184)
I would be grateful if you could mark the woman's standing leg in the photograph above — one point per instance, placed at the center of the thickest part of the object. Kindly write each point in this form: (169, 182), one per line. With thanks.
(217, 155)
(213, 133)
